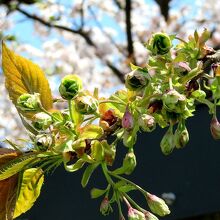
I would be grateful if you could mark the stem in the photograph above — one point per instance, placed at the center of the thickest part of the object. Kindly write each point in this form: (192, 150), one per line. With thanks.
(128, 181)
(134, 203)
(71, 110)
(108, 178)
(170, 83)
(181, 40)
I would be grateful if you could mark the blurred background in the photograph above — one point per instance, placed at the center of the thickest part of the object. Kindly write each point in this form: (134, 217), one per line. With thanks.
(97, 40)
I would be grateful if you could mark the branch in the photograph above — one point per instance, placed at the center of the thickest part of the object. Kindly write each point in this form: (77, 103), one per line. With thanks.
(164, 7)
(129, 30)
(83, 34)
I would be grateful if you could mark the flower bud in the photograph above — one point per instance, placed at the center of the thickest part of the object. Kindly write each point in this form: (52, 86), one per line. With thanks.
(42, 121)
(70, 86)
(215, 128)
(134, 214)
(29, 102)
(157, 205)
(147, 123)
(167, 143)
(127, 120)
(105, 207)
(136, 80)
(86, 104)
(159, 44)
(150, 216)
(181, 136)
(174, 101)
(43, 141)
(129, 163)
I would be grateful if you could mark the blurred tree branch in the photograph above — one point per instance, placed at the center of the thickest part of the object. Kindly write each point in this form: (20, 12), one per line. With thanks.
(80, 32)
(164, 7)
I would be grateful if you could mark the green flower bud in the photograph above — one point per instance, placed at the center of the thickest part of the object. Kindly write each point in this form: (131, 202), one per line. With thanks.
(105, 207)
(70, 86)
(150, 216)
(159, 44)
(167, 143)
(173, 101)
(181, 136)
(29, 102)
(134, 214)
(86, 104)
(215, 128)
(43, 142)
(198, 94)
(147, 123)
(136, 80)
(42, 121)
(157, 205)
(129, 163)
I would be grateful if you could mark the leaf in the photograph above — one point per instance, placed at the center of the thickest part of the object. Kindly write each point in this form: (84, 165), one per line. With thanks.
(87, 173)
(91, 132)
(97, 150)
(23, 76)
(8, 187)
(16, 165)
(96, 193)
(31, 184)
(74, 167)
(77, 117)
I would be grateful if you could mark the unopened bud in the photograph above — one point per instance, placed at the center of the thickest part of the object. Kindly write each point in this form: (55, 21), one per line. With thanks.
(150, 216)
(86, 104)
(136, 80)
(215, 128)
(181, 136)
(147, 123)
(159, 44)
(42, 121)
(127, 120)
(70, 86)
(134, 214)
(167, 143)
(105, 207)
(157, 205)
(29, 102)
(43, 141)
(174, 101)
(129, 163)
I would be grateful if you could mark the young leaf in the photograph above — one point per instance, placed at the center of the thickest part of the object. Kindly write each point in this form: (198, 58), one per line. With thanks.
(16, 165)
(8, 187)
(74, 167)
(87, 173)
(23, 76)
(95, 193)
(91, 132)
(31, 184)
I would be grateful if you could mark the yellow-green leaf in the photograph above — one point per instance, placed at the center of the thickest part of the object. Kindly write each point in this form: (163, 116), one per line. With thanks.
(91, 132)
(16, 165)
(23, 76)
(31, 184)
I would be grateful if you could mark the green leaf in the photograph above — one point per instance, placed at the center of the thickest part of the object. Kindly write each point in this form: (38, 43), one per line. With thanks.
(31, 184)
(87, 173)
(77, 117)
(96, 193)
(16, 165)
(91, 132)
(74, 167)
(23, 76)
(97, 150)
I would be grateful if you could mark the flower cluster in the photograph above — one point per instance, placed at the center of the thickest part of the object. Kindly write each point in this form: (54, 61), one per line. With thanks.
(163, 93)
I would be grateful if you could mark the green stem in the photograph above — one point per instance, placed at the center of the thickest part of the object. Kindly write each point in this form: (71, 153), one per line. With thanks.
(181, 40)
(170, 83)
(71, 110)
(108, 178)
(128, 181)
(134, 203)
